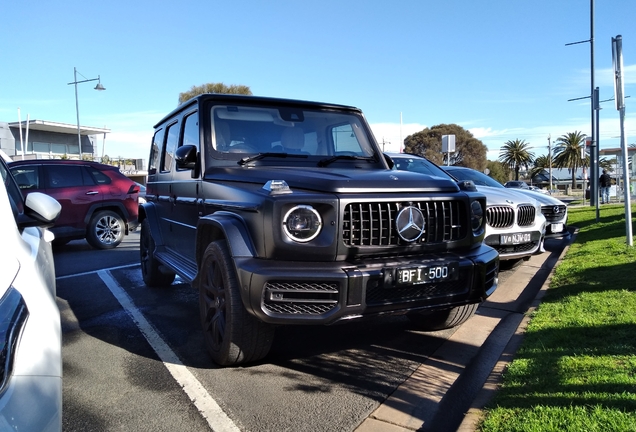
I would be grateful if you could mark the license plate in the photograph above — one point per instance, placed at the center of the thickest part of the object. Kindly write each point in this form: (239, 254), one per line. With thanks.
(557, 228)
(428, 274)
(515, 239)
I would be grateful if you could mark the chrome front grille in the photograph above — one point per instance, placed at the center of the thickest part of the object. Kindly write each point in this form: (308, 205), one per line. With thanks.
(526, 215)
(373, 223)
(504, 216)
(553, 213)
(500, 216)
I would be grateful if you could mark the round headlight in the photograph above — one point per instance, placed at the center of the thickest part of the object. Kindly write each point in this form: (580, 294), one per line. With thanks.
(302, 223)
(476, 215)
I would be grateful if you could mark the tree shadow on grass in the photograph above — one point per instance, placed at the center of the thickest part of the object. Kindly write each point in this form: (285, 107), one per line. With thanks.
(542, 378)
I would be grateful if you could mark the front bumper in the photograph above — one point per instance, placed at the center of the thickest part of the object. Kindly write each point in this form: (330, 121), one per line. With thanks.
(556, 230)
(325, 293)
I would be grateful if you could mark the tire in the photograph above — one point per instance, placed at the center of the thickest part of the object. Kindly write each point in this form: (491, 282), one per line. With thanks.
(151, 269)
(443, 319)
(60, 242)
(105, 230)
(232, 335)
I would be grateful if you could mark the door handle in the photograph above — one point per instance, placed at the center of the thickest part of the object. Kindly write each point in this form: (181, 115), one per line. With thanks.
(92, 193)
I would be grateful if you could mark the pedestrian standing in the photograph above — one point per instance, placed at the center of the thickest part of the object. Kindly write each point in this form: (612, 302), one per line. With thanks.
(605, 181)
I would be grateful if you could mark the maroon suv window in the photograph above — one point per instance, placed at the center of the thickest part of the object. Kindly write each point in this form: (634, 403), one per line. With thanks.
(98, 176)
(59, 176)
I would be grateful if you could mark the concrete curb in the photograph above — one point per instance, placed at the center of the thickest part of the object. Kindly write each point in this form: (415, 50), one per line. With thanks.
(492, 384)
(448, 392)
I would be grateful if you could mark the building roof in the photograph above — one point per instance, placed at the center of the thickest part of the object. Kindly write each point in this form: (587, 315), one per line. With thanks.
(617, 151)
(49, 126)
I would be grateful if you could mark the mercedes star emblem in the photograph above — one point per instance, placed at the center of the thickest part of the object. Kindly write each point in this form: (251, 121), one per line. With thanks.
(410, 223)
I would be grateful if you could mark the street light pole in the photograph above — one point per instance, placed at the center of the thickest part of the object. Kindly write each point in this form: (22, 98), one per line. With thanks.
(550, 161)
(594, 130)
(99, 87)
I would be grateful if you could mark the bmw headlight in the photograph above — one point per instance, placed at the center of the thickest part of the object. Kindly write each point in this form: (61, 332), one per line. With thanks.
(476, 216)
(302, 223)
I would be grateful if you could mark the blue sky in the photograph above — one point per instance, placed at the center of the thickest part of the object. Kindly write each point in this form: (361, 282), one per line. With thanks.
(499, 68)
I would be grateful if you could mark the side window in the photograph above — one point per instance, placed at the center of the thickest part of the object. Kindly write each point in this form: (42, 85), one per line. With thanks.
(15, 197)
(97, 177)
(59, 176)
(191, 130)
(27, 177)
(171, 146)
(155, 151)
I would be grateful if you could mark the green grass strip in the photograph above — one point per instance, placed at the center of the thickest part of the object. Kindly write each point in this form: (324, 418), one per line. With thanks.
(576, 368)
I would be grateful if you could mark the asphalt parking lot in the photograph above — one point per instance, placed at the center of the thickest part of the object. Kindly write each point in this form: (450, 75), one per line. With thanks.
(381, 376)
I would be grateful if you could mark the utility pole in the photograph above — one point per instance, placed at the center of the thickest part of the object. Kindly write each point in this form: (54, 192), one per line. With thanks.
(550, 161)
(594, 156)
(619, 92)
(593, 129)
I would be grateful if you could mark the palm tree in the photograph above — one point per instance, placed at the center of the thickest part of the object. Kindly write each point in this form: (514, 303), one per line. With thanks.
(541, 164)
(515, 154)
(567, 153)
(607, 164)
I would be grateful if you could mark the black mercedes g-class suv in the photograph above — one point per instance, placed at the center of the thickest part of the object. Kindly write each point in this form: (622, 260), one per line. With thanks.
(286, 212)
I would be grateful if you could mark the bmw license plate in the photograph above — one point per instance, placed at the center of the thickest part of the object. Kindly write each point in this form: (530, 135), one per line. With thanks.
(556, 227)
(515, 239)
(428, 274)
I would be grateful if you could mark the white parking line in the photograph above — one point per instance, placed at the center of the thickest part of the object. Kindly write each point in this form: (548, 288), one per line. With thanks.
(96, 271)
(209, 409)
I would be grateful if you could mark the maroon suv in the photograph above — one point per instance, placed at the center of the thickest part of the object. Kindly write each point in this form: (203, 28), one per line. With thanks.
(99, 203)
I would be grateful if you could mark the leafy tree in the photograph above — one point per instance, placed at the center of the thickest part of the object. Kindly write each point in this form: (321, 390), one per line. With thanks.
(516, 154)
(567, 153)
(498, 171)
(214, 88)
(469, 151)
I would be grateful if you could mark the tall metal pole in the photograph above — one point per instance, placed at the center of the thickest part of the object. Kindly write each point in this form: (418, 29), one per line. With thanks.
(596, 151)
(619, 96)
(593, 146)
(626, 186)
(79, 135)
(550, 161)
(75, 82)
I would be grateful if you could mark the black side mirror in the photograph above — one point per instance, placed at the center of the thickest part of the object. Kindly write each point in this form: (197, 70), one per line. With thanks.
(388, 160)
(186, 157)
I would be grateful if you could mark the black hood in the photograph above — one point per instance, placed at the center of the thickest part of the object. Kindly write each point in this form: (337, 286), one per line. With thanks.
(337, 180)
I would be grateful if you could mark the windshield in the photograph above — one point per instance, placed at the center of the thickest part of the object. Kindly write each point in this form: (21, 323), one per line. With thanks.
(479, 178)
(419, 165)
(250, 130)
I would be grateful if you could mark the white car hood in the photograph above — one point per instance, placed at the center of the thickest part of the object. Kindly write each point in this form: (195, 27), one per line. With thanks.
(544, 199)
(501, 196)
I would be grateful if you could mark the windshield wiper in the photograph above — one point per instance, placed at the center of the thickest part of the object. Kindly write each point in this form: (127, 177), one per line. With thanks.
(329, 161)
(269, 154)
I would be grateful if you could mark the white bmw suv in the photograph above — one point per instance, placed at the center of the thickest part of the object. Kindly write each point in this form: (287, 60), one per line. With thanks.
(515, 225)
